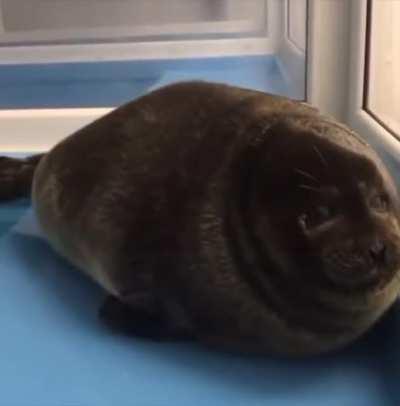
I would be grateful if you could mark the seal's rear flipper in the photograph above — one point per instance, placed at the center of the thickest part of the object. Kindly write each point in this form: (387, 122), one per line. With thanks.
(16, 176)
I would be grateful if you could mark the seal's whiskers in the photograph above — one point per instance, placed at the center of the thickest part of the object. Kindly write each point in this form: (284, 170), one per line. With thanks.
(318, 152)
(306, 174)
(309, 187)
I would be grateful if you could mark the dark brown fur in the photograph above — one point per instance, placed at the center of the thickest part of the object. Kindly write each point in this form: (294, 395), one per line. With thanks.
(187, 206)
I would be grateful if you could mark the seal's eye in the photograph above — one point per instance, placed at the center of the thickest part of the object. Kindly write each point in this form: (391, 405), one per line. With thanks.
(324, 212)
(320, 215)
(379, 202)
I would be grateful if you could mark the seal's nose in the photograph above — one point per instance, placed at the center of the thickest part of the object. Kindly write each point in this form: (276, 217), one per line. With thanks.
(377, 252)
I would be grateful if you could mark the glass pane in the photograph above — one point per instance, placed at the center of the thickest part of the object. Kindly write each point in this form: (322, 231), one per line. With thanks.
(297, 17)
(73, 20)
(382, 98)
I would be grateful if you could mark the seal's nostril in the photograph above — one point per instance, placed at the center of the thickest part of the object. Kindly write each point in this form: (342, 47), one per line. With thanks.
(378, 251)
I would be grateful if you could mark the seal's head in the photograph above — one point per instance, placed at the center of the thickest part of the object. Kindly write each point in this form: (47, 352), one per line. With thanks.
(323, 207)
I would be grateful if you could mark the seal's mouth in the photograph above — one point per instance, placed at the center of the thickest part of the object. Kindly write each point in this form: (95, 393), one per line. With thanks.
(373, 278)
(368, 266)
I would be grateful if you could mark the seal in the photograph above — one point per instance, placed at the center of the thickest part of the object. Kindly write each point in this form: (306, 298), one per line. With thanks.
(247, 221)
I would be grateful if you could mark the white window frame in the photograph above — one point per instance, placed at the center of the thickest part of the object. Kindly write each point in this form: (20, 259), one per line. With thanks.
(358, 118)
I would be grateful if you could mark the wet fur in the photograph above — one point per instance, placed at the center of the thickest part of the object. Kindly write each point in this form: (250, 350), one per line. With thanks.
(184, 206)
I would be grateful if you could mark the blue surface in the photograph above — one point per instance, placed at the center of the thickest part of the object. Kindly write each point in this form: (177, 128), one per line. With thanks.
(56, 352)
(9, 213)
(100, 84)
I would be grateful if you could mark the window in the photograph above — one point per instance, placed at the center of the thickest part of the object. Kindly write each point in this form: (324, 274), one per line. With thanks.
(382, 65)
(64, 63)
(55, 21)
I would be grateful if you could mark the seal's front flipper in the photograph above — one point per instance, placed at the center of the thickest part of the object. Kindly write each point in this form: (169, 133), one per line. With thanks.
(16, 176)
(140, 321)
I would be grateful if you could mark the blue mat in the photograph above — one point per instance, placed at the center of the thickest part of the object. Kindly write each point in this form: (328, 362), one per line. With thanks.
(54, 351)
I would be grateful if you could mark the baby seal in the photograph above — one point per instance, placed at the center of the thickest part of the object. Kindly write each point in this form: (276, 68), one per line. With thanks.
(246, 221)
